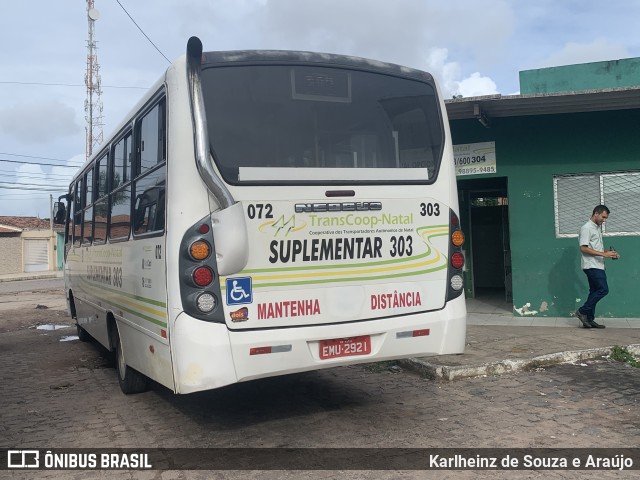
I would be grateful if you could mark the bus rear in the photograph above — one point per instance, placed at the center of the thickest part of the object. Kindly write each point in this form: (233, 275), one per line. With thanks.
(342, 169)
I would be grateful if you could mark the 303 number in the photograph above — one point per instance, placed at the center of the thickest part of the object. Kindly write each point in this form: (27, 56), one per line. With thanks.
(430, 209)
(117, 277)
(401, 246)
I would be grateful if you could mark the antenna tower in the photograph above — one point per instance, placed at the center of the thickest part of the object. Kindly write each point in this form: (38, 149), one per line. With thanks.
(93, 103)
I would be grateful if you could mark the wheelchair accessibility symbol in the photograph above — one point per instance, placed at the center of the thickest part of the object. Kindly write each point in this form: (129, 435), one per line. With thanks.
(239, 291)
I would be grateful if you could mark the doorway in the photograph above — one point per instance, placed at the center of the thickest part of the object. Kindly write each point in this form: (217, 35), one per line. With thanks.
(485, 218)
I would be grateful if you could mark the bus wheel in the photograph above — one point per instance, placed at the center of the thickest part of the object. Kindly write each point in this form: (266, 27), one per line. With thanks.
(130, 380)
(82, 334)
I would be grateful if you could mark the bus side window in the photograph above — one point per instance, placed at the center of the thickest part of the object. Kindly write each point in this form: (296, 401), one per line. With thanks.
(121, 163)
(151, 139)
(101, 180)
(150, 202)
(68, 232)
(120, 215)
(87, 226)
(87, 219)
(149, 185)
(77, 213)
(102, 202)
(118, 206)
(100, 222)
(88, 184)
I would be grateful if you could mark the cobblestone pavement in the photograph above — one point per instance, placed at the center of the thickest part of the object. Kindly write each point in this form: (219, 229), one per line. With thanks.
(64, 394)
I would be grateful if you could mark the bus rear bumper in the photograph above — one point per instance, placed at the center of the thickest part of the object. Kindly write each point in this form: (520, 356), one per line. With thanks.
(205, 360)
(267, 353)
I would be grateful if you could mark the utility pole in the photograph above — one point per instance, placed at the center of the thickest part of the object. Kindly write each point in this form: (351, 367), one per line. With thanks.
(93, 102)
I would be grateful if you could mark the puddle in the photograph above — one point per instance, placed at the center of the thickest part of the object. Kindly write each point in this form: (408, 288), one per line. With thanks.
(69, 338)
(51, 327)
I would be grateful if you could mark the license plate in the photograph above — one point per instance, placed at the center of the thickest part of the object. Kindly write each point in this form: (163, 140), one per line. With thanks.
(345, 347)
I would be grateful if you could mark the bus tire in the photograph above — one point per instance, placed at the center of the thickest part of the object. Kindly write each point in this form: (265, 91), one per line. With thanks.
(129, 379)
(82, 334)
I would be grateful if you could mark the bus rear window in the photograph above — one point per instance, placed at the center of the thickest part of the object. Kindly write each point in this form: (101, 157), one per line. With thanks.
(308, 123)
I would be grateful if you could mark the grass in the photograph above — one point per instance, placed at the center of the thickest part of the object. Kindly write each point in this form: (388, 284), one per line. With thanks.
(621, 354)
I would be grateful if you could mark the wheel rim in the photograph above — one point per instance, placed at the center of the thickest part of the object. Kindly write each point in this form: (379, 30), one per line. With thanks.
(120, 360)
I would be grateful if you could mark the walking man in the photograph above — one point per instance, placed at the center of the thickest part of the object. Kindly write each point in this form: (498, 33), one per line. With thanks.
(593, 254)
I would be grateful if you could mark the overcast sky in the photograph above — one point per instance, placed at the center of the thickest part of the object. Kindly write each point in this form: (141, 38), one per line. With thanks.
(474, 47)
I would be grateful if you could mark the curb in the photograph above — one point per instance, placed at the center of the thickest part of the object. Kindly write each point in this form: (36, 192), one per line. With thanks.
(446, 372)
(19, 278)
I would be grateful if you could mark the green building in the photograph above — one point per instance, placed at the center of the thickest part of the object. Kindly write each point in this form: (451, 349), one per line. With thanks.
(531, 169)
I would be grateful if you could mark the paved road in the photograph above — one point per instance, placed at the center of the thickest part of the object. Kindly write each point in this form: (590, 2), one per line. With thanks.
(65, 394)
(22, 297)
(32, 285)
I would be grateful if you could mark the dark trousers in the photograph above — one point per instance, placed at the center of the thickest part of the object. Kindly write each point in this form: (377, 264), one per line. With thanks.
(598, 289)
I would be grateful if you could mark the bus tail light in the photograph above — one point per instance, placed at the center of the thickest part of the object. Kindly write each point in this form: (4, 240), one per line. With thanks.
(202, 276)
(199, 288)
(456, 257)
(457, 238)
(206, 302)
(199, 250)
(456, 282)
(457, 260)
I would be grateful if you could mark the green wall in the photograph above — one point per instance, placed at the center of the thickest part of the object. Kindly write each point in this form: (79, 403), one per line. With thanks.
(585, 76)
(529, 152)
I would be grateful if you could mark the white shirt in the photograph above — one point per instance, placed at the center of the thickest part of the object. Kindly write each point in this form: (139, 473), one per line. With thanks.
(591, 236)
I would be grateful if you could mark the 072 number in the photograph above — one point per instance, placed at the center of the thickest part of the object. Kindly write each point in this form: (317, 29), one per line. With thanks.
(260, 211)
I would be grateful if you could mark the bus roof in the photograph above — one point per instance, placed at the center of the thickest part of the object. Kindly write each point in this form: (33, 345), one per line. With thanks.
(254, 57)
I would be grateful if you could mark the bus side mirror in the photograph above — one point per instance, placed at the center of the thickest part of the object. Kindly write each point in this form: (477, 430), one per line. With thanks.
(59, 213)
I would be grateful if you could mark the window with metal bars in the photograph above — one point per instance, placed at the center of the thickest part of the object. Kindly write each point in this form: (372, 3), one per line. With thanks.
(575, 196)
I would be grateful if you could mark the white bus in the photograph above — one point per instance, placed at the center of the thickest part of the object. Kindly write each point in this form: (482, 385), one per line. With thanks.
(261, 213)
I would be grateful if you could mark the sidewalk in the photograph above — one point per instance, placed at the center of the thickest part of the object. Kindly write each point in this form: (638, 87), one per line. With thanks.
(14, 277)
(499, 342)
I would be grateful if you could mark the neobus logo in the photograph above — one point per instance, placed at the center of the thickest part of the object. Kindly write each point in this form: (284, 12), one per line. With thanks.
(337, 207)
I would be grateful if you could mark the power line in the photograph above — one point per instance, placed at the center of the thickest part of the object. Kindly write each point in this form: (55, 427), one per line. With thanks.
(18, 185)
(42, 178)
(33, 196)
(40, 163)
(66, 85)
(134, 22)
(44, 189)
(18, 195)
(38, 175)
(32, 156)
(34, 184)
(21, 195)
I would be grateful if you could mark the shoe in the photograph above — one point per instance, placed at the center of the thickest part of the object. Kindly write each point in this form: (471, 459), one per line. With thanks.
(583, 318)
(593, 324)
